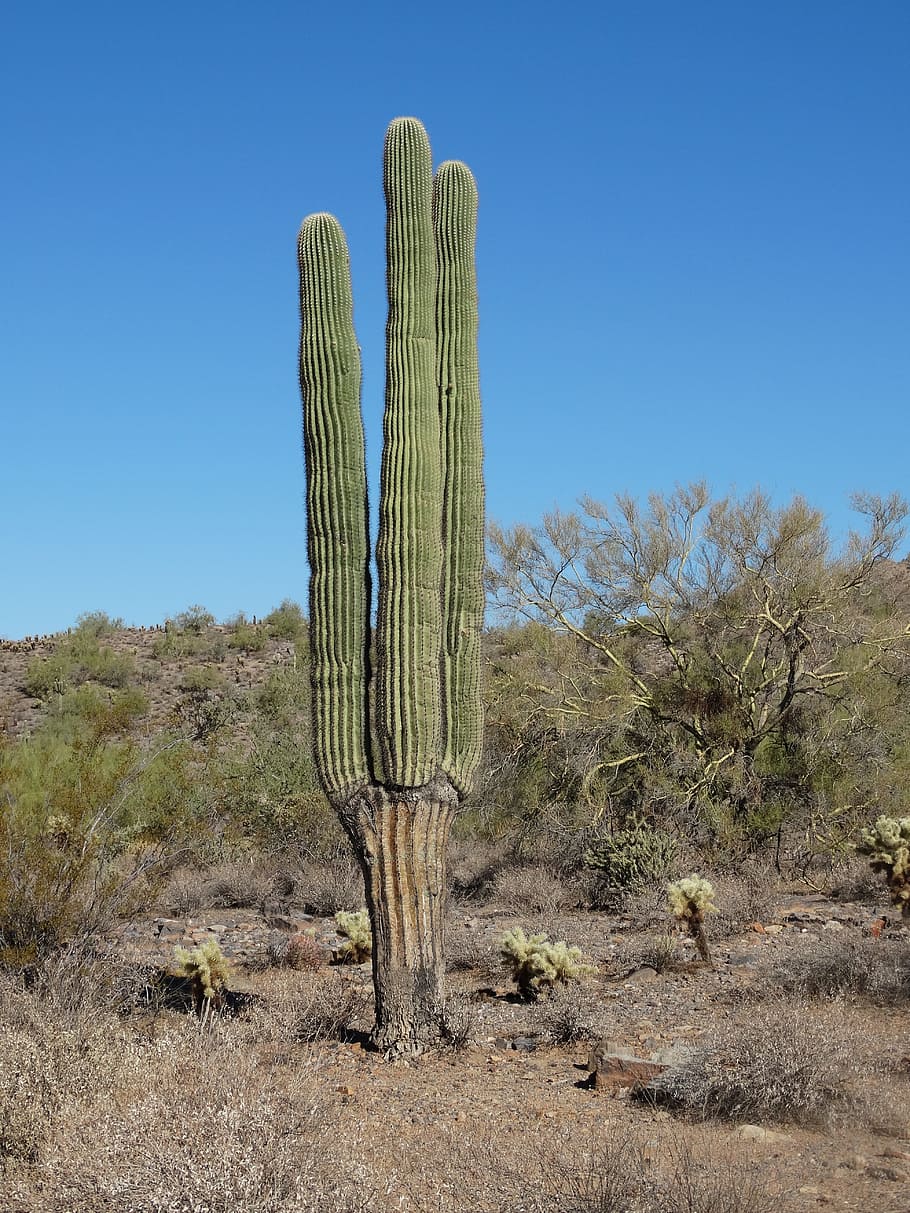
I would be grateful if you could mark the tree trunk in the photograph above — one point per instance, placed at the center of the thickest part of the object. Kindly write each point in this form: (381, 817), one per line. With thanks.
(401, 839)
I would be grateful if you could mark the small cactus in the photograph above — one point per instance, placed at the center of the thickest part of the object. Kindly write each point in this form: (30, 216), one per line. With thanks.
(887, 844)
(690, 900)
(538, 964)
(357, 944)
(303, 951)
(208, 971)
(633, 856)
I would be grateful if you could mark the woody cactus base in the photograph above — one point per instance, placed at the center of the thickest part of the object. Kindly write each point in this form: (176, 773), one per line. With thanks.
(398, 741)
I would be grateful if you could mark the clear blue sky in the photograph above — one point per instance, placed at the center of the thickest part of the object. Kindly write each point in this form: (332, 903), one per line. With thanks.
(694, 261)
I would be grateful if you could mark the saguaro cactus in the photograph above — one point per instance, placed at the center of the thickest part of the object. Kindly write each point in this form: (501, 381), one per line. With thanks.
(421, 703)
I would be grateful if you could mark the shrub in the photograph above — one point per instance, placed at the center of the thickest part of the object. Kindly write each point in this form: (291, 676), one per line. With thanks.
(742, 900)
(657, 952)
(71, 861)
(317, 1006)
(570, 1015)
(98, 712)
(51, 1060)
(325, 886)
(194, 619)
(838, 965)
(538, 964)
(357, 941)
(887, 844)
(529, 889)
(236, 885)
(97, 624)
(78, 659)
(789, 1062)
(633, 856)
(201, 678)
(249, 638)
(195, 1123)
(286, 622)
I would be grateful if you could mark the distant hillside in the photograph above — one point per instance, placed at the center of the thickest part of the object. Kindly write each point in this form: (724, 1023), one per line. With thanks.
(165, 663)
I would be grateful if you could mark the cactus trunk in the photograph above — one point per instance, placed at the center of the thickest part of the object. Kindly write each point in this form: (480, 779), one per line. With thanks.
(400, 839)
(423, 699)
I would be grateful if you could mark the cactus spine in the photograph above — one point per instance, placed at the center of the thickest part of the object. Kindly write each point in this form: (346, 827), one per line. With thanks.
(423, 698)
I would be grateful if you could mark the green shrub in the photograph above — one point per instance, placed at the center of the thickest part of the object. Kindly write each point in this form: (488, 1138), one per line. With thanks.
(97, 624)
(78, 659)
(70, 864)
(632, 857)
(249, 638)
(103, 713)
(188, 635)
(286, 622)
(538, 964)
(194, 619)
(201, 678)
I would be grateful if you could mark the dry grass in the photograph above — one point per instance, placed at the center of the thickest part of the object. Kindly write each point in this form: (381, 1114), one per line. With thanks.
(530, 889)
(305, 1007)
(790, 1061)
(571, 1014)
(842, 964)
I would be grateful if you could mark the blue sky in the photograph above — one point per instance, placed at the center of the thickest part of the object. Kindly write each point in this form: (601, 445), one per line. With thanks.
(693, 260)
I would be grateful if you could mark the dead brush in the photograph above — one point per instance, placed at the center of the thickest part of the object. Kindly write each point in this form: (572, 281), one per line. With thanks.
(792, 1061)
(306, 1008)
(55, 1055)
(572, 1014)
(846, 965)
(240, 884)
(195, 1123)
(529, 889)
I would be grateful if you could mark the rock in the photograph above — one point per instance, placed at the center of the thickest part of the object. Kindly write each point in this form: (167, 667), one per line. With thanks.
(759, 1133)
(613, 1067)
(643, 976)
(833, 925)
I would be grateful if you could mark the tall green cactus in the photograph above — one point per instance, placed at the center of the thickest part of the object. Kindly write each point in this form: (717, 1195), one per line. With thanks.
(423, 697)
(337, 536)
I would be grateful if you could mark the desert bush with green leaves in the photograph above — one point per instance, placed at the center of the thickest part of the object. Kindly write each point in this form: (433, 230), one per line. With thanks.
(78, 659)
(286, 622)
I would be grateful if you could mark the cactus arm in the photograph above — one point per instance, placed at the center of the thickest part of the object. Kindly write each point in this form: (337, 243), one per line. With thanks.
(409, 549)
(337, 536)
(458, 383)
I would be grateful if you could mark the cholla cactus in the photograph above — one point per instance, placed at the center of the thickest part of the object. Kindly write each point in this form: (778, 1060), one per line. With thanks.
(633, 856)
(887, 844)
(538, 964)
(357, 945)
(690, 900)
(208, 971)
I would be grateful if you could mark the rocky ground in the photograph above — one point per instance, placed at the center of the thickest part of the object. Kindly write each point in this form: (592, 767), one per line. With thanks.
(512, 1083)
